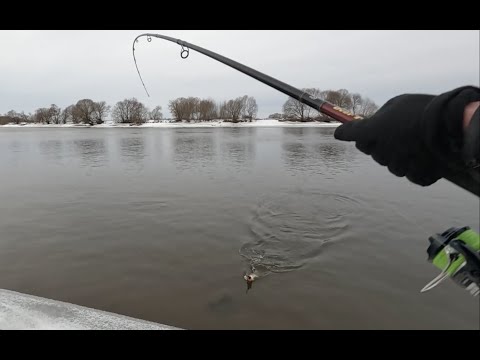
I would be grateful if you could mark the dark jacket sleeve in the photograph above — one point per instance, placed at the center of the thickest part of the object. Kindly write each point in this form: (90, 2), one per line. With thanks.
(457, 148)
(471, 147)
(443, 119)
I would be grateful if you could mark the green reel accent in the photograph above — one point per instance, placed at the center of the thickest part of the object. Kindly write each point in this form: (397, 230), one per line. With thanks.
(441, 261)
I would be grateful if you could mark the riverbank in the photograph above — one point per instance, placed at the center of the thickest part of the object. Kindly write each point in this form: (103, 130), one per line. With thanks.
(20, 311)
(256, 123)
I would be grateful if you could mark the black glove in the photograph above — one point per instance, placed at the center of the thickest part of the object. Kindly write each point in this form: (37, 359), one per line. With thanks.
(417, 136)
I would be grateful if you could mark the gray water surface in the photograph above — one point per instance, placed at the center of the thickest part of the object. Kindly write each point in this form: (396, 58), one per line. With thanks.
(160, 224)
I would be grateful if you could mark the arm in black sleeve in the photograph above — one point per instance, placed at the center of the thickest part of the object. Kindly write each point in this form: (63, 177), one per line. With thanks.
(421, 136)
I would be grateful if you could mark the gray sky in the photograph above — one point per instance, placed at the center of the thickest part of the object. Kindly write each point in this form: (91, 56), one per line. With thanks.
(38, 68)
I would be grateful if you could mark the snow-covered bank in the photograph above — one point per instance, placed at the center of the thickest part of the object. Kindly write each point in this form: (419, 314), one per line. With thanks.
(256, 123)
(26, 312)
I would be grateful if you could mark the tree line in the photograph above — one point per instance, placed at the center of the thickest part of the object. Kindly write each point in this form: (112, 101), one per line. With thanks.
(357, 104)
(243, 108)
(86, 111)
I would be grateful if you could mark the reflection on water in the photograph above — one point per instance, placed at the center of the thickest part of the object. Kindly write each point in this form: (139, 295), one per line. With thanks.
(334, 155)
(132, 152)
(238, 151)
(91, 152)
(296, 133)
(307, 150)
(52, 150)
(194, 150)
(17, 146)
(13, 150)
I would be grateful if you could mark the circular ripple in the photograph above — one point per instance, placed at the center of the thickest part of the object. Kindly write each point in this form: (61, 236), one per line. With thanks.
(290, 230)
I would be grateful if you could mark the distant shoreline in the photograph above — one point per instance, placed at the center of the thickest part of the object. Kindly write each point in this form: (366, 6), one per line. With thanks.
(203, 124)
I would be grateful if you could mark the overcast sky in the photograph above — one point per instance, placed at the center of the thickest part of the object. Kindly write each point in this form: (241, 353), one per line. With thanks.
(38, 68)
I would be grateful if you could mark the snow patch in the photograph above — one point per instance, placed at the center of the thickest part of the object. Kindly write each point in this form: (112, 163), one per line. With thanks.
(27, 312)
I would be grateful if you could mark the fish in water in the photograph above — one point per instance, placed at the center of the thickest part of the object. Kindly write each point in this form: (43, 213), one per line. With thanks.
(250, 278)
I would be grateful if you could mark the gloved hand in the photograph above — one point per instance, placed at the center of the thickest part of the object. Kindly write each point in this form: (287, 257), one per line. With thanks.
(415, 135)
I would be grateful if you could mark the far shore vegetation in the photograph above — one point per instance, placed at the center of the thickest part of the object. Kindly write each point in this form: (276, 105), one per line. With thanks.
(190, 109)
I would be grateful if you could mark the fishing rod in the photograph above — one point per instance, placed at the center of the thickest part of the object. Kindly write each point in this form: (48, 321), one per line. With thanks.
(466, 179)
(318, 104)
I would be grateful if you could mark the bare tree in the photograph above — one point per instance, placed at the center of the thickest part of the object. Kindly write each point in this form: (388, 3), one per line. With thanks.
(244, 99)
(184, 108)
(85, 111)
(100, 111)
(76, 114)
(55, 112)
(43, 116)
(251, 108)
(295, 110)
(368, 108)
(276, 116)
(130, 111)
(177, 109)
(222, 110)
(156, 113)
(25, 117)
(206, 110)
(340, 98)
(66, 114)
(234, 108)
(211, 109)
(13, 117)
(356, 102)
(191, 107)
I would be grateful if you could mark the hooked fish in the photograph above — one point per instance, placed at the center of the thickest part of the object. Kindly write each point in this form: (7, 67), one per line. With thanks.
(250, 278)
